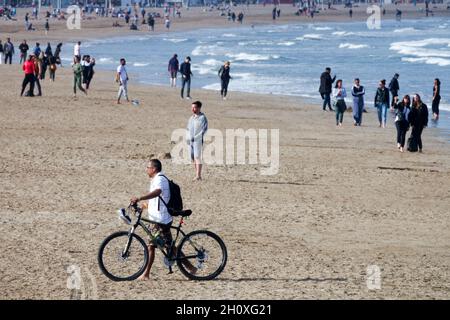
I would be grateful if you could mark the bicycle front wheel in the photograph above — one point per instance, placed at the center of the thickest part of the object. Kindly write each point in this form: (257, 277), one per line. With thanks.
(123, 257)
(201, 255)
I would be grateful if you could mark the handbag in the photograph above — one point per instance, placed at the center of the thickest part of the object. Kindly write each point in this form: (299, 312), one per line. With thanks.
(412, 144)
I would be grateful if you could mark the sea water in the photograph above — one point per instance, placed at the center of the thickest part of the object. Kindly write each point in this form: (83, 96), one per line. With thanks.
(288, 59)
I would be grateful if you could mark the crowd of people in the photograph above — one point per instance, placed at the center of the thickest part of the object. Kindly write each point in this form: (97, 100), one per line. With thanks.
(408, 112)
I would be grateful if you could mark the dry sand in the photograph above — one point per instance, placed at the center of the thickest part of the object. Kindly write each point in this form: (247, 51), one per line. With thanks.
(344, 198)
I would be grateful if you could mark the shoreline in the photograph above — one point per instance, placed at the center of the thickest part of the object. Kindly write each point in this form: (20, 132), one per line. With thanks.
(194, 18)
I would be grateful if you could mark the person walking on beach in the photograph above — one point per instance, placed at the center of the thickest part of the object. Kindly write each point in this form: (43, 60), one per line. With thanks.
(77, 74)
(38, 72)
(151, 23)
(436, 98)
(340, 94)
(28, 68)
(52, 64)
(358, 92)
(23, 48)
(122, 79)
(403, 109)
(326, 84)
(46, 27)
(77, 50)
(57, 54)
(197, 127)
(418, 118)
(382, 102)
(224, 74)
(173, 67)
(8, 51)
(186, 74)
(88, 71)
(1, 53)
(37, 50)
(158, 196)
(167, 23)
(394, 87)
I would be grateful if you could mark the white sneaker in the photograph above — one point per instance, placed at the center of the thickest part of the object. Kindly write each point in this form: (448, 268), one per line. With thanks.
(224, 98)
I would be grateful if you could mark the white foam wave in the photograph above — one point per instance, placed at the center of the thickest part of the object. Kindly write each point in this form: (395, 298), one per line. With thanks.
(311, 36)
(403, 30)
(322, 28)
(352, 46)
(205, 50)
(229, 35)
(212, 62)
(107, 60)
(174, 40)
(419, 48)
(251, 56)
(342, 33)
(439, 61)
(140, 64)
(286, 43)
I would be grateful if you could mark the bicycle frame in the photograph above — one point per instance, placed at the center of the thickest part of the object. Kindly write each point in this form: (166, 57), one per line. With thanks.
(140, 222)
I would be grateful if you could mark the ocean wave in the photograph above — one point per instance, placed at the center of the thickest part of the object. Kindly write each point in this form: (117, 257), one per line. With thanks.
(206, 50)
(322, 28)
(251, 56)
(311, 36)
(419, 48)
(203, 70)
(286, 43)
(352, 46)
(140, 64)
(229, 35)
(175, 40)
(342, 33)
(107, 60)
(212, 62)
(431, 60)
(402, 30)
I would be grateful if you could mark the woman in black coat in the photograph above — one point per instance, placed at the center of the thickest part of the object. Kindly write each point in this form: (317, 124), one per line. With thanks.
(403, 108)
(418, 119)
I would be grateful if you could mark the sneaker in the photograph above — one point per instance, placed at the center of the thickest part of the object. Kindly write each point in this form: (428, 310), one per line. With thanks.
(188, 98)
(224, 98)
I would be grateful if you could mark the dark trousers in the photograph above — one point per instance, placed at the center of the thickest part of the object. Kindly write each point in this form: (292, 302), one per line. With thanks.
(340, 109)
(224, 87)
(29, 79)
(394, 94)
(416, 133)
(23, 57)
(435, 105)
(8, 56)
(38, 85)
(326, 101)
(402, 128)
(185, 81)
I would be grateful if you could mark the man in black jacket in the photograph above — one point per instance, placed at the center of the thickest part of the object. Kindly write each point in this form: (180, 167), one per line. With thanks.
(394, 88)
(23, 51)
(186, 73)
(326, 82)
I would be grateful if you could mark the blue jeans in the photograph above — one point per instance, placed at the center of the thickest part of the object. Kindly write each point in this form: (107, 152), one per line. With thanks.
(382, 113)
(185, 81)
(326, 100)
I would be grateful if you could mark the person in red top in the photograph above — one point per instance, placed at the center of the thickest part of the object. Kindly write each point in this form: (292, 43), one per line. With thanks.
(28, 68)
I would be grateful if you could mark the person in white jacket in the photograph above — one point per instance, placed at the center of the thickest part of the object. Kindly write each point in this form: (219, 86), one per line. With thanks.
(197, 127)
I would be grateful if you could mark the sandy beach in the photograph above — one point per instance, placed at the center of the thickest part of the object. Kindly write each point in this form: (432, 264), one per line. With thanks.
(344, 199)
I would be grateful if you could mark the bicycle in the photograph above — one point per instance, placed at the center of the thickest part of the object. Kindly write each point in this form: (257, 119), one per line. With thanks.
(195, 257)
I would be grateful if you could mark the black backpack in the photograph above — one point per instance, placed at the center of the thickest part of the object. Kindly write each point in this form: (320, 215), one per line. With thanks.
(175, 203)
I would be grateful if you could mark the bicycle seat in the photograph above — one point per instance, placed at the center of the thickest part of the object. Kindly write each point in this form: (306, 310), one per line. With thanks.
(183, 213)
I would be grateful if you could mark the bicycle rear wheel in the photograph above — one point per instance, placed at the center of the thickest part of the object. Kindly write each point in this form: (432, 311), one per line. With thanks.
(122, 257)
(201, 255)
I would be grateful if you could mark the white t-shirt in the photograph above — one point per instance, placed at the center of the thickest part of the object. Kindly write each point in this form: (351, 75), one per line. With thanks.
(123, 73)
(157, 211)
(76, 50)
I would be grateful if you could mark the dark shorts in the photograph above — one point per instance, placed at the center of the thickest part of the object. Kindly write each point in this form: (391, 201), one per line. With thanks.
(173, 74)
(164, 231)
